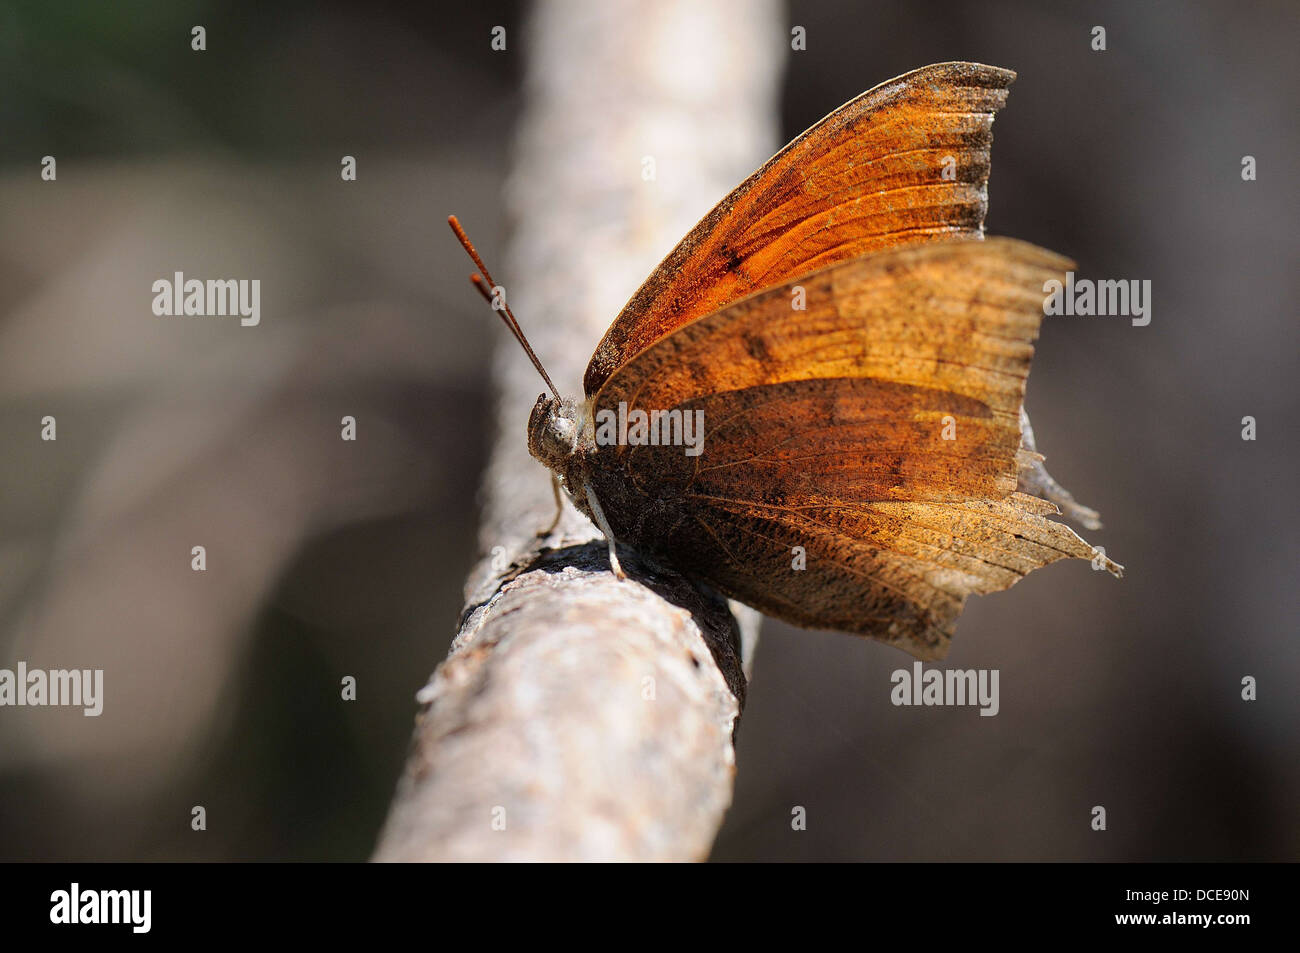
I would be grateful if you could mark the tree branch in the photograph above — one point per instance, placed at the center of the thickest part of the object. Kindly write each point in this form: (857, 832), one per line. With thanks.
(577, 717)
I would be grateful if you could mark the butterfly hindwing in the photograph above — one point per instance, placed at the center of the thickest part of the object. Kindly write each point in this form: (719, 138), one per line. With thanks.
(876, 433)
(898, 572)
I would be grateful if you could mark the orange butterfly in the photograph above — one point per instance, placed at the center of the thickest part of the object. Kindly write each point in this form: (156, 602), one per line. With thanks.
(830, 373)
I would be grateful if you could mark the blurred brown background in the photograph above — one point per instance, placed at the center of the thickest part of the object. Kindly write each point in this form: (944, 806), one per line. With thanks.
(328, 558)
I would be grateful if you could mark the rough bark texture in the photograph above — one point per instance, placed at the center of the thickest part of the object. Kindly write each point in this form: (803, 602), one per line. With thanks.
(577, 717)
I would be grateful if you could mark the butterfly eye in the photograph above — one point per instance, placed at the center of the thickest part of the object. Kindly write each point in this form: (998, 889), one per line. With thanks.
(562, 430)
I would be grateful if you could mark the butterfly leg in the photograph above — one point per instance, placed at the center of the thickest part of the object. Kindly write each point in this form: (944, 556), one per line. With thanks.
(603, 523)
(559, 506)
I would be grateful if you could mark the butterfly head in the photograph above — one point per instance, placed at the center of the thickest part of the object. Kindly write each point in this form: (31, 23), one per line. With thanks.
(553, 431)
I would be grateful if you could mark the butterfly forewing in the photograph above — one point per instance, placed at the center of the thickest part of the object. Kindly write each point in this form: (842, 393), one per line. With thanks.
(905, 162)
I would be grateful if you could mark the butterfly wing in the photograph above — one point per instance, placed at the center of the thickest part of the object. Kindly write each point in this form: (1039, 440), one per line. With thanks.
(873, 437)
(905, 162)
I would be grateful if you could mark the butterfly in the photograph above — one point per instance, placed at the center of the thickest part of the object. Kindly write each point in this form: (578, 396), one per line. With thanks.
(814, 404)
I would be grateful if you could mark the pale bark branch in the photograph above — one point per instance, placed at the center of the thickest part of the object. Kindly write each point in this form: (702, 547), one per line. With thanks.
(578, 717)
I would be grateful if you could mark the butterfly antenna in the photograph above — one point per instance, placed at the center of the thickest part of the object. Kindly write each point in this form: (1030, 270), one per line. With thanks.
(480, 286)
(506, 315)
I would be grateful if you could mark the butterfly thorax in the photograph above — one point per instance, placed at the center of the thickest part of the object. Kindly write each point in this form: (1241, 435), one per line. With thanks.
(560, 435)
